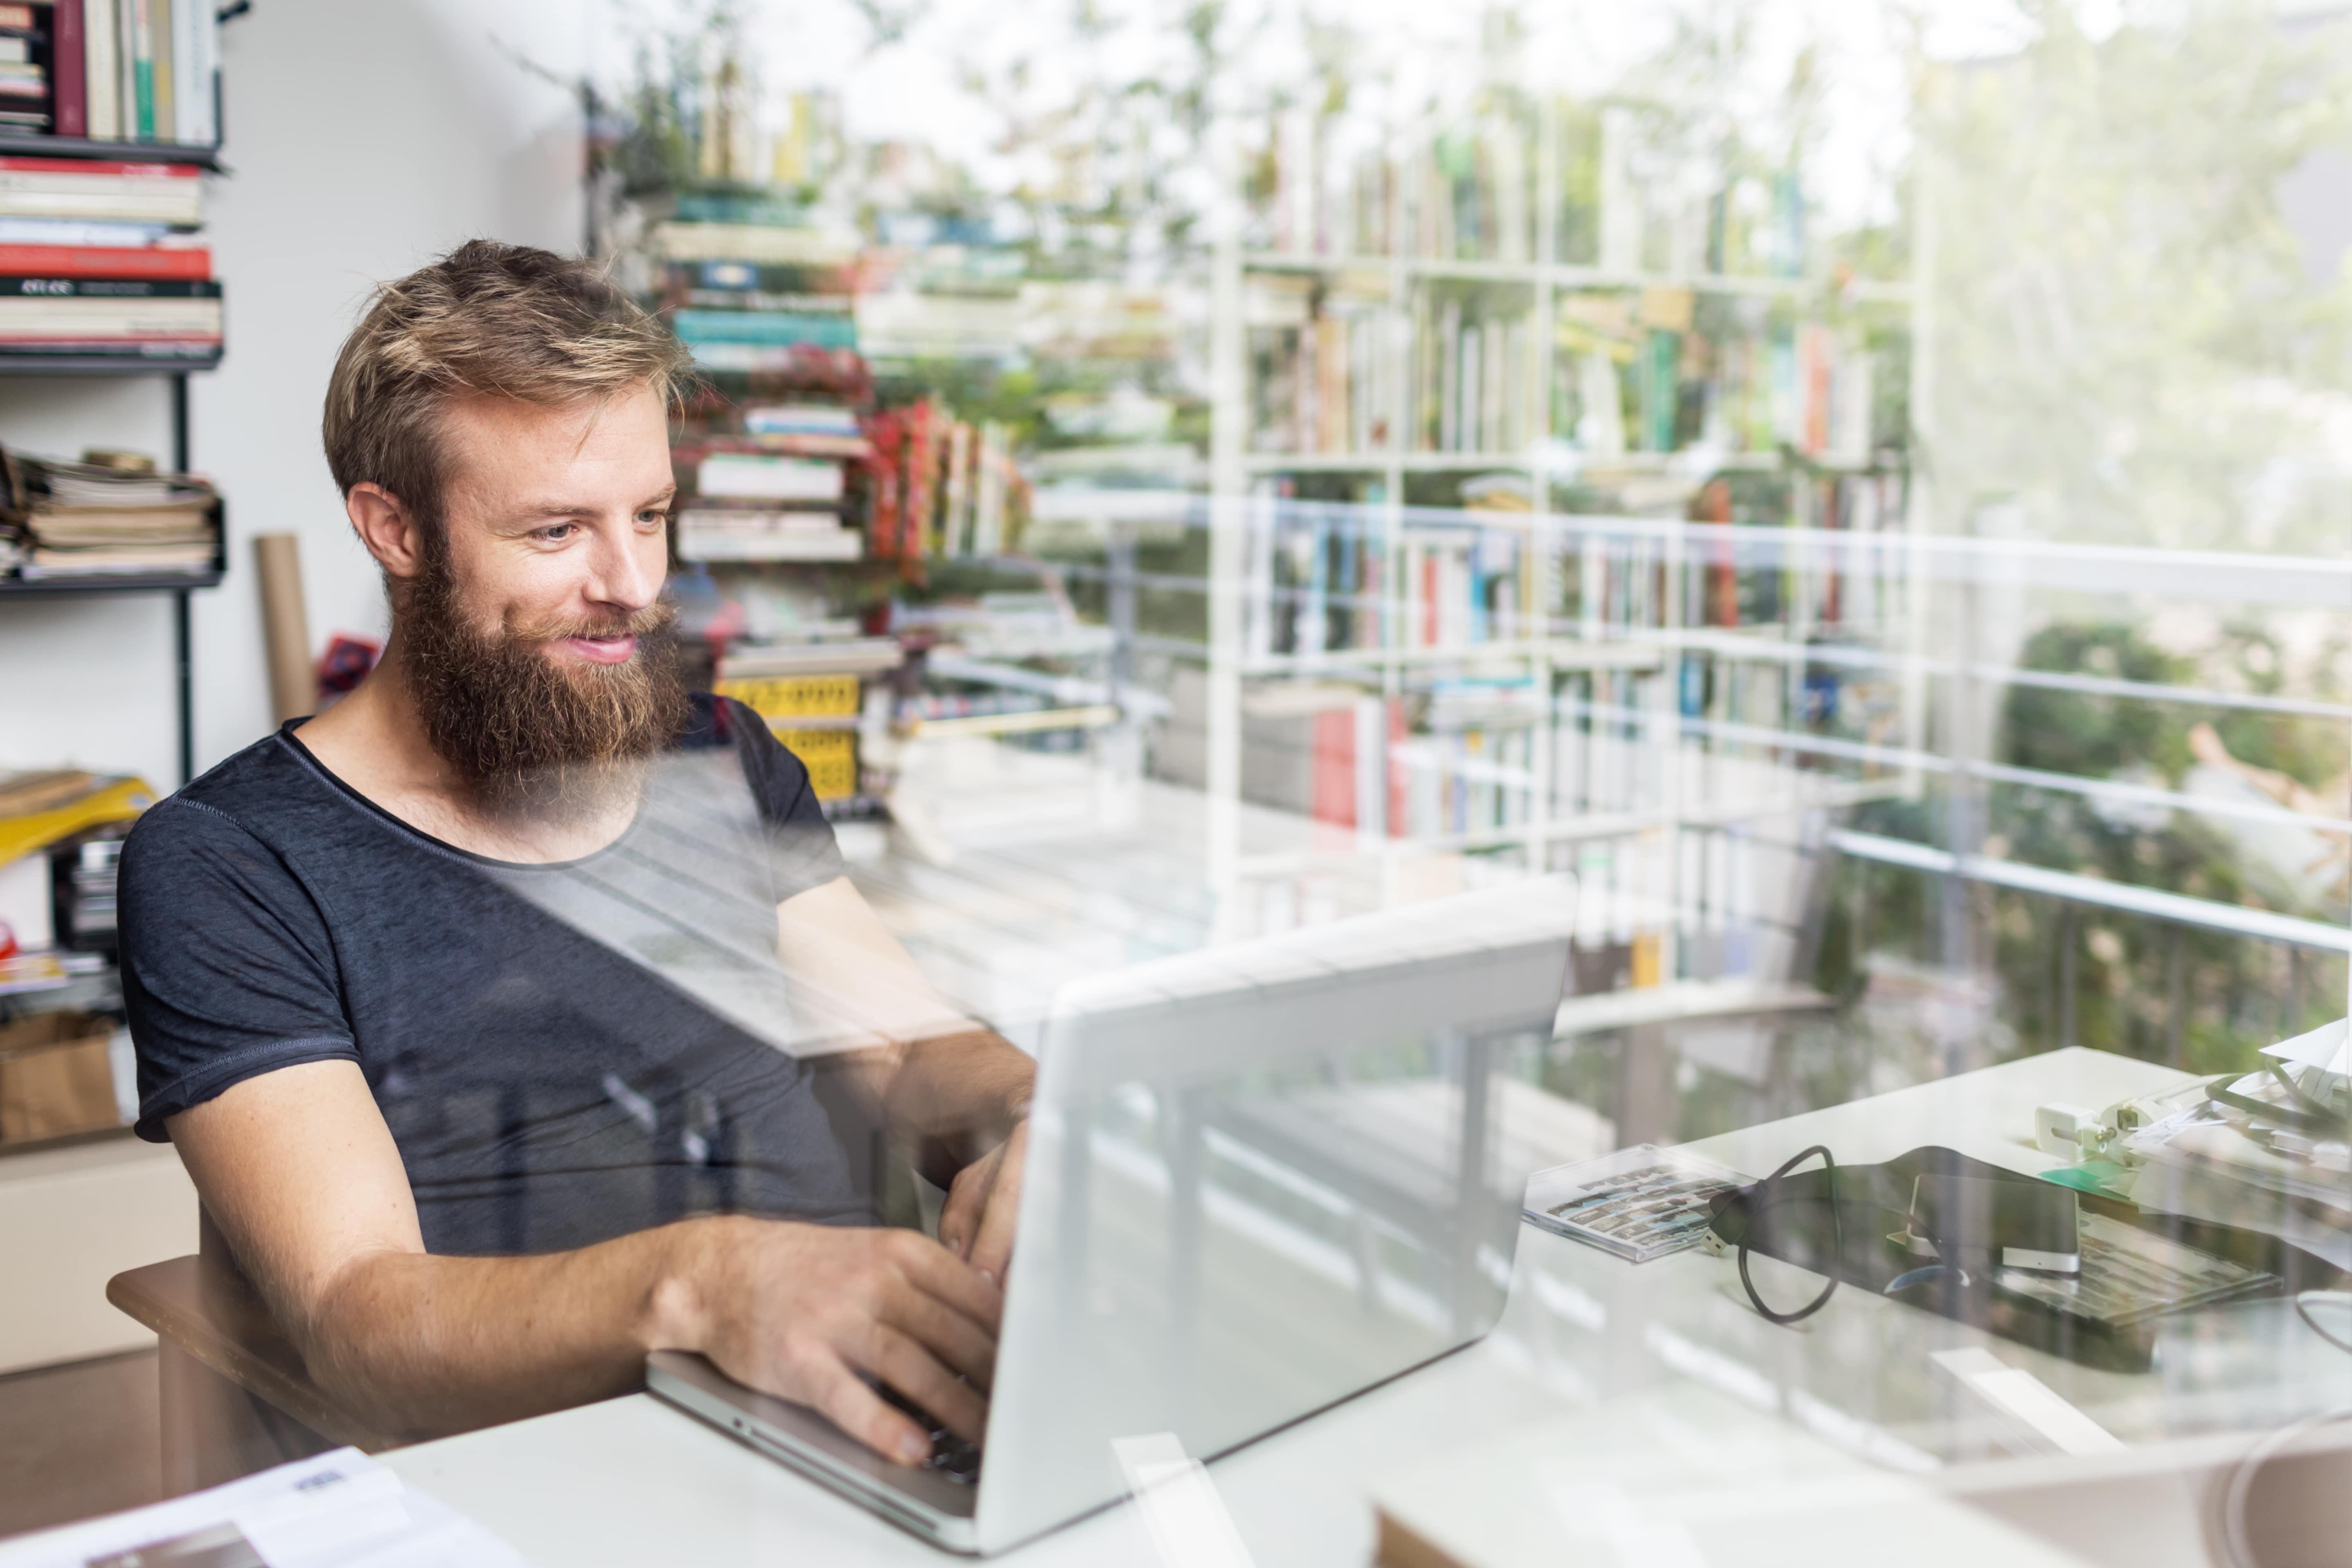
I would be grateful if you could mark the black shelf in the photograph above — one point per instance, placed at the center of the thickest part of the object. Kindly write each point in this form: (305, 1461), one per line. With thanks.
(108, 583)
(102, 364)
(33, 145)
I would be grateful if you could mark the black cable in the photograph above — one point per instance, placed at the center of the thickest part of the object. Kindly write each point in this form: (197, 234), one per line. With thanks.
(2303, 1311)
(1837, 1237)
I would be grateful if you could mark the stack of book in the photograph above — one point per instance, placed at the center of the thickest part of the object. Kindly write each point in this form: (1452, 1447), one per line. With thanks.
(95, 263)
(816, 717)
(73, 520)
(24, 77)
(774, 489)
(755, 286)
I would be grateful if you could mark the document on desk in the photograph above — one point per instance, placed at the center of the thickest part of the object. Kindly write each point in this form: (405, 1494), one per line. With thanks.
(338, 1510)
(1637, 1204)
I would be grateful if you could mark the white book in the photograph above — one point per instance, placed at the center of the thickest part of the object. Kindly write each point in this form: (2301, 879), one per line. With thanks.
(1449, 376)
(1371, 767)
(988, 492)
(191, 77)
(758, 477)
(834, 543)
(101, 71)
(130, 315)
(130, 22)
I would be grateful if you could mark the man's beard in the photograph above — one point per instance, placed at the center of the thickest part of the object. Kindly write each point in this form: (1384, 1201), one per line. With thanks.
(531, 736)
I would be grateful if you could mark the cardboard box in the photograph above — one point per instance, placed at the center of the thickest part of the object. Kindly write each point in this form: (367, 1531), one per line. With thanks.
(55, 1078)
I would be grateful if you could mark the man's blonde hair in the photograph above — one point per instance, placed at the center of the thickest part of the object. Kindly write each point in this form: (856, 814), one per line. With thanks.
(488, 318)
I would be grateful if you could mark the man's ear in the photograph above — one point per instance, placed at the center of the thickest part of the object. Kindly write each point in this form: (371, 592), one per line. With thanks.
(385, 529)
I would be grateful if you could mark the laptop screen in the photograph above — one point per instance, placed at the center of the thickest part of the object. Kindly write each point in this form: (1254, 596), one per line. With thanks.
(1262, 1179)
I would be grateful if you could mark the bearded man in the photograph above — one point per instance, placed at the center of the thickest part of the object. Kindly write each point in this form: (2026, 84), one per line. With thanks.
(504, 1013)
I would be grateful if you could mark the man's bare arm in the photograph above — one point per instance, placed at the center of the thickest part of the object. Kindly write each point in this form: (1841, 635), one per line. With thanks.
(953, 1089)
(302, 1175)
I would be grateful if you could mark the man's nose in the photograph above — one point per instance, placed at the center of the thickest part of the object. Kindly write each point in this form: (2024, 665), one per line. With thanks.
(628, 574)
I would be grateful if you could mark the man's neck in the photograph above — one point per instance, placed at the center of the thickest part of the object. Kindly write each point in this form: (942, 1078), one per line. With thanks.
(375, 741)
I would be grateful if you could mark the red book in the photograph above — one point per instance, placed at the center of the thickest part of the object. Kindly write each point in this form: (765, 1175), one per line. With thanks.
(1333, 781)
(1399, 781)
(922, 461)
(102, 261)
(98, 166)
(71, 107)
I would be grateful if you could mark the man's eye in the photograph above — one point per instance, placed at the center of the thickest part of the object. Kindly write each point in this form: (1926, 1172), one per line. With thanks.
(557, 533)
(658, 518)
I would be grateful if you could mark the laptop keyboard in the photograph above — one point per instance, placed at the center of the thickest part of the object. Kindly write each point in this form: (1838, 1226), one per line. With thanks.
(951, 1455)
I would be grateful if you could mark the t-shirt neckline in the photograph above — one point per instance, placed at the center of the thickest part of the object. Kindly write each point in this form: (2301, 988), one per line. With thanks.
(309, 759)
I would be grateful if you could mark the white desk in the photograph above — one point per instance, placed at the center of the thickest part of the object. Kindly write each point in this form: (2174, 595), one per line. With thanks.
(633, 1481)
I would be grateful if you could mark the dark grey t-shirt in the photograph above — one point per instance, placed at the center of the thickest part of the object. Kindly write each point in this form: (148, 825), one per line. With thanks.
(564, 1053)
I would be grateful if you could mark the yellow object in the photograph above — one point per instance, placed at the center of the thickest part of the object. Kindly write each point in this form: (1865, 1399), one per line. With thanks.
(1649, 952)
(121, 800)
(831, 757)
(794, 696)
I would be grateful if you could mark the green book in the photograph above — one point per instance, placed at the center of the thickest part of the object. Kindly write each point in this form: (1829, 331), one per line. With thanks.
(142, 67)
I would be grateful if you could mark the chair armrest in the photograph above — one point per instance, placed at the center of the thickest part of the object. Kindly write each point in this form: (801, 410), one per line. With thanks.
(221, 1321)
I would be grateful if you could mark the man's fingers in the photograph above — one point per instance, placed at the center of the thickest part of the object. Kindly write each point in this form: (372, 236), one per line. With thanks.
(992, 1247)
(857, 1410)
(960, 1216)
(948, 1335)
(934, 1271)
(914, 1372)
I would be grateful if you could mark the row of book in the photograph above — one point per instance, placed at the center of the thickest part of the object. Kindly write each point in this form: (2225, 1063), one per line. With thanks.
(1627, 197)
(1479, 381)
(942, 486)
(1394, 767)
(1472, 757)
(1632, 373)
(1325, 384)
(1322, 579)
(112, 71)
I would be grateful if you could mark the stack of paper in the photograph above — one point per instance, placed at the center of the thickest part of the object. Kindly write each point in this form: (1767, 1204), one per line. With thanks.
(338, 1508)
(85, 518)
(2265, 1151)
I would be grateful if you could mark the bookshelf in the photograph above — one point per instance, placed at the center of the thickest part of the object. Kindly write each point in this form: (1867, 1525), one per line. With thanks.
(1571, 369)
(17, 144)
(178, 585)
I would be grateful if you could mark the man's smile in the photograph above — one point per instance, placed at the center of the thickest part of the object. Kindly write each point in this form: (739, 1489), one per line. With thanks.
(614, 649)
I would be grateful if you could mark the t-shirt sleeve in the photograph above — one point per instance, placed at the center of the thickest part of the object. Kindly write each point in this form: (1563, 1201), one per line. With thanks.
(227, 968)
(801, 848)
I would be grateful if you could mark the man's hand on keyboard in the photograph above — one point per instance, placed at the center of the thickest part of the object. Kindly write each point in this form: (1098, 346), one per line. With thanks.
(800, 1310)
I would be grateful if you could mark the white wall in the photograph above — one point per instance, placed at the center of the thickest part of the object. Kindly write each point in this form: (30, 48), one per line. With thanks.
(363, 140)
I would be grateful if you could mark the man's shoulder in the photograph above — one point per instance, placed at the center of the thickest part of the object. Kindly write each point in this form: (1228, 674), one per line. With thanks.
(256, 793)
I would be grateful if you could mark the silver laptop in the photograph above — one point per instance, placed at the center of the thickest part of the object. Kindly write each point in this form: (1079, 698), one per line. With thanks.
(1262, 1179)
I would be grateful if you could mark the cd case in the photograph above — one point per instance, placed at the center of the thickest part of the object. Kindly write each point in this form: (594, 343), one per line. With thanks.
(1640, 1203)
